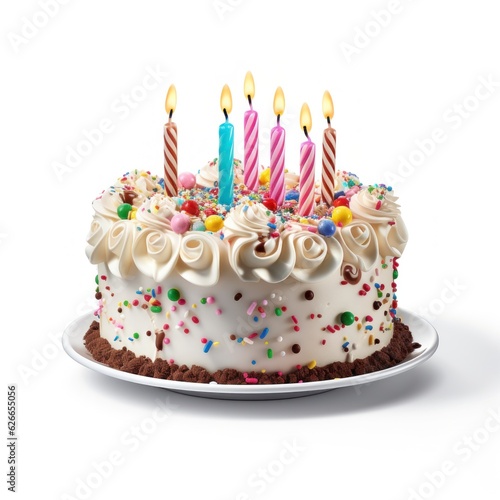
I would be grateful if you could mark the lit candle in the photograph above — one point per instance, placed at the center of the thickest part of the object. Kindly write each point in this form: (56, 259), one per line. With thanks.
(329, 153)
(277, 164)
(170, 144)
(251, 137)
(307, 156)
(226, 150)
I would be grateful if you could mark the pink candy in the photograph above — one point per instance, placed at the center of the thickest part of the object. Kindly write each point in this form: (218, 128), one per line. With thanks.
(180, 223)
(187, 180)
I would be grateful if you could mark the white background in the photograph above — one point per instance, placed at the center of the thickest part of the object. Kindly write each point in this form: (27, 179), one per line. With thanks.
(418, 74)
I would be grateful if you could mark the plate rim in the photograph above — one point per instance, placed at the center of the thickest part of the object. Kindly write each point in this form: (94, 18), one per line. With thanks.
(72, 339)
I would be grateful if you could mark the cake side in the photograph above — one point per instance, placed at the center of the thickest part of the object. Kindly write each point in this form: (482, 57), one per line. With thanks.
(254, 288)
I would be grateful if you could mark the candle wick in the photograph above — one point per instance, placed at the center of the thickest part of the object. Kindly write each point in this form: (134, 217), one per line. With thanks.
(328, 120)
(171, 112)
(250, 101)
(305, 132)
(225, 114)
(278, 119)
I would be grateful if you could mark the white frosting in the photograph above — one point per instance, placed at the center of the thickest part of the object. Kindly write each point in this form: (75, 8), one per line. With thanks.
(257, 243)
(359, 243)
(379, 208)
(156, 212)
(208, 176)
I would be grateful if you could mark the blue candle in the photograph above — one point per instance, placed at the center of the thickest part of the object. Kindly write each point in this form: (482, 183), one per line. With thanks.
(226, 151)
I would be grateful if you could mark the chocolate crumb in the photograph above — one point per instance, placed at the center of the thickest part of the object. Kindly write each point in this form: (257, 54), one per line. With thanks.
(398, 349)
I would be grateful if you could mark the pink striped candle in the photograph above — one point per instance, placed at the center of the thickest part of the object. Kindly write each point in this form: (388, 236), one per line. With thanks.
(307, 157)
(329, 153)
(170, 145)
(251, 138)
(277, 164)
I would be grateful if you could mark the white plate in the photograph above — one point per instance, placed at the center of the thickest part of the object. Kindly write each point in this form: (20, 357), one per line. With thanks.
(423, 333)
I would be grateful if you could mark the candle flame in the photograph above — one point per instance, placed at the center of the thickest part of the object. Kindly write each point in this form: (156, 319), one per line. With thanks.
(171, 100)
(226, 101)
(249, 86)
(327, 105)
(279, 102)
(305, 118)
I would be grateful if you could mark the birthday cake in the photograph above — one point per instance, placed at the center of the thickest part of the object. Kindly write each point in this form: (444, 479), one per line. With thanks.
(252, 293)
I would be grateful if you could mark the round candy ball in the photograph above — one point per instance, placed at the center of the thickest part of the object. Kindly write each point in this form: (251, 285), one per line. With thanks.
(187, 180)
(191, 207)
(270, 204)
(341, 201)
(326, 227)
(180, 223)
(265, 176)
(123, 210)
(293, 194)
(214, 223)
(341, 216)
(198, 226)
(347, 318)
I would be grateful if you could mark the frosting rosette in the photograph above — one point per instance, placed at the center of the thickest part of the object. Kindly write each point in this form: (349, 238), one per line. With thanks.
(378, 206)
(96, 249)
(208, 176)
(133, 188)
(155, 252)
(157, 211)
(359, 244)
(314, 257)
(199, 259)
(253, 253)
(120, 241)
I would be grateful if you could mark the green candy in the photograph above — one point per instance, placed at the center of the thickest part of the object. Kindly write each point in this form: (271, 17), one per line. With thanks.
(347, 318)
(156, 309)
(174, 294)
(123, 210)
(395, 274)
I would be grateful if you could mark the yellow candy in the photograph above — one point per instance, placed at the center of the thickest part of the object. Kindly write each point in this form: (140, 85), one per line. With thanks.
(265, 176)
(341, 215)
(214, 223)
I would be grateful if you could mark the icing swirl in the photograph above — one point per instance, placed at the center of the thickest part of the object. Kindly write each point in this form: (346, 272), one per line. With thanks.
(378, 206)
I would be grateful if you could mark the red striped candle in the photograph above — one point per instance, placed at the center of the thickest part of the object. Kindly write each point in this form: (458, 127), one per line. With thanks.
(329, 153)
(307, 157)
(277, 164)
(251, 138)
(170, 145)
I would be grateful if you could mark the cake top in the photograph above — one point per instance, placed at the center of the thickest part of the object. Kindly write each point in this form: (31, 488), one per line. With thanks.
(137, 228)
